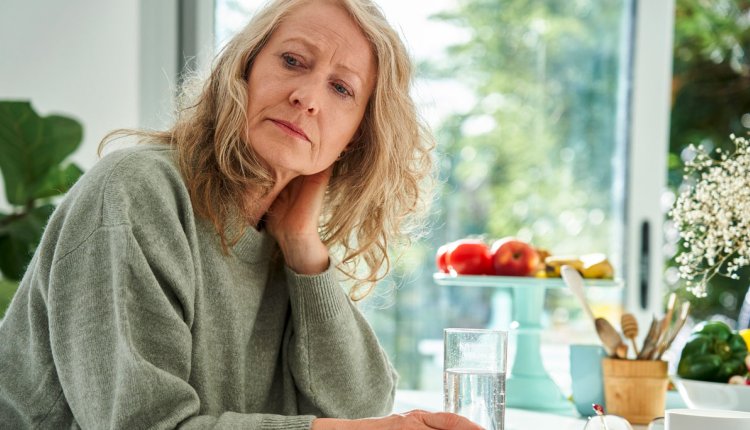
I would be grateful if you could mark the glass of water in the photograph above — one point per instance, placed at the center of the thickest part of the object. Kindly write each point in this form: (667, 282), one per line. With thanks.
(474, 375)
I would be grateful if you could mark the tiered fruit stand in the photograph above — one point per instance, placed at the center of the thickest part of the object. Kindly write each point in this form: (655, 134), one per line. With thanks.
(528, 386)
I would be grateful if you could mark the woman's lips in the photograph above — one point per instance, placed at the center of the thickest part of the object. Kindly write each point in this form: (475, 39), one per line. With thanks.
(291, 129)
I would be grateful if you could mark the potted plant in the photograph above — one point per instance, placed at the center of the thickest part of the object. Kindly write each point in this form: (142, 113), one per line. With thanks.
(33, 150)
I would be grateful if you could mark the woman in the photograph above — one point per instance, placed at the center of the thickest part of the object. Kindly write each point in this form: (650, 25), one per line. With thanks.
(188, 283)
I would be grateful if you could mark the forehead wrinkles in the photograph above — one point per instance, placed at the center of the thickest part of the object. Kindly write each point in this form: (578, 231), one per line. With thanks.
(328, 38)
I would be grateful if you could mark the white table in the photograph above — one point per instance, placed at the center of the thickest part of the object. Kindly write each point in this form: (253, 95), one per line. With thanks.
(515, 419)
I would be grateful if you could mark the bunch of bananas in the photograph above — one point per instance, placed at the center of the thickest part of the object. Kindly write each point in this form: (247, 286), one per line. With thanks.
(591, 266)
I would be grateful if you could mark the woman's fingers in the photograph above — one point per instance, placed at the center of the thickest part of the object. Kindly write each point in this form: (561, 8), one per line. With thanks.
(297, 208)
(311, 193)
(293, 221)
(319, 181)
(447, 420)
(412, 420)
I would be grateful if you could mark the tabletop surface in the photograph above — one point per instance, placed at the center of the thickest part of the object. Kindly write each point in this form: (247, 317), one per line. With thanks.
(515, 419)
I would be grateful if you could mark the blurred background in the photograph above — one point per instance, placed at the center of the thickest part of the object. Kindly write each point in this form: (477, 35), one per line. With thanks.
(561, 122)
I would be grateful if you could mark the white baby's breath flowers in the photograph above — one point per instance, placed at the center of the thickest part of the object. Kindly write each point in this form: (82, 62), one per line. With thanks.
(713, 215)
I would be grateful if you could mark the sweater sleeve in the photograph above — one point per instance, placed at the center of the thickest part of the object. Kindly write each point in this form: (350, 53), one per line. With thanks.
(334, 355)
(119, 327)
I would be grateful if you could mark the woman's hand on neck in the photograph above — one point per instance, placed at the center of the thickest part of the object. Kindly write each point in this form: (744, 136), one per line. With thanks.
(292, 218)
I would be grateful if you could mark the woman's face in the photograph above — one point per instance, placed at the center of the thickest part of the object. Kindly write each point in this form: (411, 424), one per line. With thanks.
(308, 89)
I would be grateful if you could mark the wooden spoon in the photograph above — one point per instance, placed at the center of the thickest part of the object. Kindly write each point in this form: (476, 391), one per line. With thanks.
(667, 321)
(610, 338)
(621, 351)
(649, 350)
(684, 310)
(662, 329)
(650, 340)
(574, 281)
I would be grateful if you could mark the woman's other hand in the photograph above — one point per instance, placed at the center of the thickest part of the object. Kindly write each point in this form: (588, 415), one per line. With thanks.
(416, 419)
(293, 221)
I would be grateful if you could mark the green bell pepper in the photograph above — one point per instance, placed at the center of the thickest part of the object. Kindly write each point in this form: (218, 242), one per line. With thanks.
(713, 353)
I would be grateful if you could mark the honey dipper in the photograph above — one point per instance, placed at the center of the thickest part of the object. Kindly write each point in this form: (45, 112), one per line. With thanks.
(630, 329)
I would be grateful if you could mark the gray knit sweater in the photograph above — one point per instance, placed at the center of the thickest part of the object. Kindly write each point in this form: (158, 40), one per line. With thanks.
(130, 316)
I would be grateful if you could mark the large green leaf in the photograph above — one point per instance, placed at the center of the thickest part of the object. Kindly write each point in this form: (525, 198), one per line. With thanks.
(7, 290)
(32, 147)
(19, 239)
(27, 226)
(58, 181)
(13, 259)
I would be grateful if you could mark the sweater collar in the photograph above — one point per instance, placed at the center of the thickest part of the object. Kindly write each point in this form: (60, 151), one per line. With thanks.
(254, 245)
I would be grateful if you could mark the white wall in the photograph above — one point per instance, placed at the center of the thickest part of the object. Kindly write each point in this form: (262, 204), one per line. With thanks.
(76, 57)
(109, 64)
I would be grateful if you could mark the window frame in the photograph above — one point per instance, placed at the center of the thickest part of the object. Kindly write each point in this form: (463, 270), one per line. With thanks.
(648, 146)
(173, 34)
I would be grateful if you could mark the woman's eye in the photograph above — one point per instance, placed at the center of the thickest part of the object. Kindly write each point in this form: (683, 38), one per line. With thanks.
(341, 89)
(290, 61)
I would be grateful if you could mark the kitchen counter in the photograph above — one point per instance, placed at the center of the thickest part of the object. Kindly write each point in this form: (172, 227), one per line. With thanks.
(515, 419)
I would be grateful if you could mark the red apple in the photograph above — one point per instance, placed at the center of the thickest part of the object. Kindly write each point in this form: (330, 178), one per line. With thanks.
(514, 257)
(469, 257)
(440, 260)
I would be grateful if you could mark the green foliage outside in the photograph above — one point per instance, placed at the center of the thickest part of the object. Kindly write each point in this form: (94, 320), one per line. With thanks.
(34, 150)
(550, 78)
(711, 99)
(547, 74)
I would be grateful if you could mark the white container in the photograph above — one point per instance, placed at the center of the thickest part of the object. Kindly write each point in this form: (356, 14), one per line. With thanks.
(713, 395)
(702, 419)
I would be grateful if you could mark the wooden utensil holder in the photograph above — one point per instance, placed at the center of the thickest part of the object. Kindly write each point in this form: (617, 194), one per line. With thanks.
(635, 389)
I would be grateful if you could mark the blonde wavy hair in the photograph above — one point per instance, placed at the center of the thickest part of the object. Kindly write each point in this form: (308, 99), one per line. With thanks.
(380, 188)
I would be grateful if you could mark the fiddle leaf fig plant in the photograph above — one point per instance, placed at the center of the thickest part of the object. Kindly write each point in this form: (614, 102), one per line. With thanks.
(33, 150)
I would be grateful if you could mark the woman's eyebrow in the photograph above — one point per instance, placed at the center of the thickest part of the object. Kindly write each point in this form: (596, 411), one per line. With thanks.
(308, 43)
(316, 50)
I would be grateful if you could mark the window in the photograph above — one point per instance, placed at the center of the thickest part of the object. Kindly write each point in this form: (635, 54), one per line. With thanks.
(533, 146)
(531, 105)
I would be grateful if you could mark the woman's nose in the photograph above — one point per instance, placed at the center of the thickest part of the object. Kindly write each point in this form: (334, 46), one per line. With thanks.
(306, 97)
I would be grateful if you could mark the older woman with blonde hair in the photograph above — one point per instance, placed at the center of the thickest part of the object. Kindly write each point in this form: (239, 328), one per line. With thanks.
(187, 281)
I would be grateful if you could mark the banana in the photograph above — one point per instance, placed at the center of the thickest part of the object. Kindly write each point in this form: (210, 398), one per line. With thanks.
(591, 266)
(596, 266)
(553, 263)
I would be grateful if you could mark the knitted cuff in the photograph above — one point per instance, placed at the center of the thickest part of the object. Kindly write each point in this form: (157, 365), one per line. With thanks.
(316, 297)
(276, 422)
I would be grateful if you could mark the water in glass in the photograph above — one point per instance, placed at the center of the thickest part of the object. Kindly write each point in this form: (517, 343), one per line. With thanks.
(478, 395)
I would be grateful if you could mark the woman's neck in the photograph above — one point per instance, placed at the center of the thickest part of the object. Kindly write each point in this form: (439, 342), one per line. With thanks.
(258, 203)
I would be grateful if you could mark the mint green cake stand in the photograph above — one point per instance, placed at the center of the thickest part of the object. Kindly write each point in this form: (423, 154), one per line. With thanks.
(528, 386)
